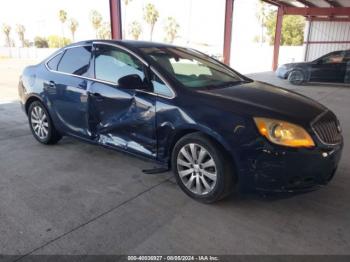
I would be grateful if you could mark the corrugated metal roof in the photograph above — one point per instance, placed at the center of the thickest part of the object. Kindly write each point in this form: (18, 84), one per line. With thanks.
(329, 4)
(313, 3)
(326, 37)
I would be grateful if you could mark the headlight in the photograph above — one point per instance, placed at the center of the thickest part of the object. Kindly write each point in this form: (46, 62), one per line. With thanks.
(283, 133)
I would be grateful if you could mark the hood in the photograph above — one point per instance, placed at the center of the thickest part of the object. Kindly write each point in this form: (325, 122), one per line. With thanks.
(289, 65)
(265, 100)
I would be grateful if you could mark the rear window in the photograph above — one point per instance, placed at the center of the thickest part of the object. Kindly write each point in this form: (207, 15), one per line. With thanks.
(76, 61)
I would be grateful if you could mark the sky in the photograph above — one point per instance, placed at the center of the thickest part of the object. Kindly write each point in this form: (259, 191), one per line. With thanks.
(40, 17)
(201, 21)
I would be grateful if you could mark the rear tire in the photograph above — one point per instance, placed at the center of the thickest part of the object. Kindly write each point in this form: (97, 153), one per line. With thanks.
(41, 125)
(296, 77)
(202, 169)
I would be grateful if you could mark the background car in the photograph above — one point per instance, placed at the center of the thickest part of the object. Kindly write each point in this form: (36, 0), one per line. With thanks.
(332, 67)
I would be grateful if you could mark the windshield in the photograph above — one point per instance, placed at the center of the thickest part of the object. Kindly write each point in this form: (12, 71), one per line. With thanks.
(193, 69)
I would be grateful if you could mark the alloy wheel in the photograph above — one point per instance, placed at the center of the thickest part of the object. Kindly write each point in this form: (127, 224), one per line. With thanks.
(296, 77)
(39, 122)
(197, 169)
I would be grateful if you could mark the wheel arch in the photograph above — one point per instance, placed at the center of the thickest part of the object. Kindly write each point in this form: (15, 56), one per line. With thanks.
(215, 137)
(300, 69)
(54, 135)
(30, 100)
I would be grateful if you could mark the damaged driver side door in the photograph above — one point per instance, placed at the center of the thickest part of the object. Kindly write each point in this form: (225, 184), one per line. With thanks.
(121, 117)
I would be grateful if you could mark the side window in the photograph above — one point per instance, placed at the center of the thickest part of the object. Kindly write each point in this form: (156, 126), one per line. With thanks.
(160, 88)
(76, 61)
(112, 63)
(347, 57)
(53, 62)
(333, 58)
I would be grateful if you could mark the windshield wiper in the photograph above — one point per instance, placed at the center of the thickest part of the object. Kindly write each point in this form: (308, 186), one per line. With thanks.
(231, 83)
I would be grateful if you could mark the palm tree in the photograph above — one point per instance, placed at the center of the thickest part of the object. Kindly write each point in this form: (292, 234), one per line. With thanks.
(171, 28)
(20, 29)
(7, 30)
(96, 20)
(261, 15)
(104, 32)
(150, 15)
(135, 30)
(62, 16)
(73, 25)
(126, 3)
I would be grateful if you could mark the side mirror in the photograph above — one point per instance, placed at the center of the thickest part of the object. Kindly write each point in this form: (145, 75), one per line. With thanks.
(131, 82)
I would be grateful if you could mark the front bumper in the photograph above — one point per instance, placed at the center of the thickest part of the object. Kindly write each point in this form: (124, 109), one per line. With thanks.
(278, 169)
(282, 72)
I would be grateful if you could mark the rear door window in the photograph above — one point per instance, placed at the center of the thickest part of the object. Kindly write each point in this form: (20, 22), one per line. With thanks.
(53, 62)
(76, 61)
(347, 57)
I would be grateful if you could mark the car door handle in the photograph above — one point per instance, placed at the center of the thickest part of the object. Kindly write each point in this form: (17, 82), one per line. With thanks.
(83, 84)
(97, 96)
(51, 85)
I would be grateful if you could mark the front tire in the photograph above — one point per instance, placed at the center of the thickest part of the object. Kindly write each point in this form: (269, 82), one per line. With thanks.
(41, 125)
(202, 169)
(296, 77)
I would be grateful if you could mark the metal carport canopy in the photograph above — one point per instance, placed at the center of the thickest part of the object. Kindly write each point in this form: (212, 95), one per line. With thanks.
(313, 10)
(321, 10)
(116, 25)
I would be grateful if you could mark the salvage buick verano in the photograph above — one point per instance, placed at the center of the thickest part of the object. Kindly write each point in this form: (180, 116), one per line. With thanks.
(215, 128)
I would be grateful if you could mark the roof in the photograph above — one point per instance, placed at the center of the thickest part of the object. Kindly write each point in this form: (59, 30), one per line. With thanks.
(131, 45)
(135, 43)
(126, 43)
(311, 3)
(322, 10)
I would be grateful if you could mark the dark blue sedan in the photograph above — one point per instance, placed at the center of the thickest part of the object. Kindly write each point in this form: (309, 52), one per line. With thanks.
(217, 129)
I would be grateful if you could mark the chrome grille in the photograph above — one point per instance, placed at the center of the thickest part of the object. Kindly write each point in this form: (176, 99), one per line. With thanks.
(327, 128)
